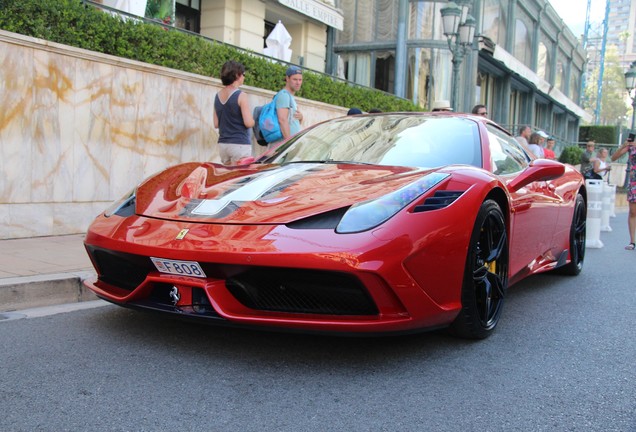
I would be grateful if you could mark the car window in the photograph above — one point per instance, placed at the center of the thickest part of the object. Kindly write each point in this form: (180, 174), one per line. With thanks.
(393, 139)
(506, 154)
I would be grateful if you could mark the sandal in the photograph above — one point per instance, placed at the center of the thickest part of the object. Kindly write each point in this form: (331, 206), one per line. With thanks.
(630, 246)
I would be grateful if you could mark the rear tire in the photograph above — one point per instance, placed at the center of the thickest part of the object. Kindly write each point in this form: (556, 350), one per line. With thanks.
(485, 275)
(577, 239)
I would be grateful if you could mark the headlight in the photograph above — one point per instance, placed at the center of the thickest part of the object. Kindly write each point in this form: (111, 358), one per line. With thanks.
(369, 214)
(124, 206)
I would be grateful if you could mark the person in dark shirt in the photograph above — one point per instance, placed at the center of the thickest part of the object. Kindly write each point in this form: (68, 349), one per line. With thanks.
(233, 115)
(587, 160)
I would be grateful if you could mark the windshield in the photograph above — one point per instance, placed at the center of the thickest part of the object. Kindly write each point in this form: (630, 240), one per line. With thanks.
(391, 139)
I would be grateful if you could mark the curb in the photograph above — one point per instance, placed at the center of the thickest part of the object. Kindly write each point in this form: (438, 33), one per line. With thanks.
(27, 292)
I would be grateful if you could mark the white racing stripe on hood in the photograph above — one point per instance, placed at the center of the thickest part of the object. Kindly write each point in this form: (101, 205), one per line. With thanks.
(252, 190)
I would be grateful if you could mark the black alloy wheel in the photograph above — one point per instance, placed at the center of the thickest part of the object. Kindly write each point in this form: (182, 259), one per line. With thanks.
(577, 239)
(485, 275)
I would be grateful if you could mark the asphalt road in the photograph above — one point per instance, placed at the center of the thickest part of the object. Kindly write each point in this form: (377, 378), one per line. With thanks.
(562, 359)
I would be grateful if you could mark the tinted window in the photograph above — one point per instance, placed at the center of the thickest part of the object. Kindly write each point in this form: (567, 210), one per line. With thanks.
(392, 139)
(507, 155)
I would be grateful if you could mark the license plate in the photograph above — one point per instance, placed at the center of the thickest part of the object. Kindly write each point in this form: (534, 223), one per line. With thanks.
(181, 268)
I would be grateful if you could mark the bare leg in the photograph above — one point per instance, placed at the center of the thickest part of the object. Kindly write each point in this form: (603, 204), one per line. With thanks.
(631, 222)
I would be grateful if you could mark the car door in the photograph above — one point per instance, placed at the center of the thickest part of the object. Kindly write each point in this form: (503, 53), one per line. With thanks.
(533, 207)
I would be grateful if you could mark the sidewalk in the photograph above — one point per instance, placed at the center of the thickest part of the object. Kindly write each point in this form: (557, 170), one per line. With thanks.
(43, 271)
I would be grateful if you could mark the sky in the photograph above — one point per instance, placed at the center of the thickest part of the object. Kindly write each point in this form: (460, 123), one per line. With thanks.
(573, 13)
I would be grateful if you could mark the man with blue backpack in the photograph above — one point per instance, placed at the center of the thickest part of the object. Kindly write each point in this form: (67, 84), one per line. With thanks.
(280, 118)
(288, 115)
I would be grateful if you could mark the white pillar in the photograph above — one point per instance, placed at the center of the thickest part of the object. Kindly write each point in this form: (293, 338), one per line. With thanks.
(594, 208)
(606, 207)
(612, 200)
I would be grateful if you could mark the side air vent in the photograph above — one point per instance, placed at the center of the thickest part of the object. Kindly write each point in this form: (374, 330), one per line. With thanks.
(438, 201)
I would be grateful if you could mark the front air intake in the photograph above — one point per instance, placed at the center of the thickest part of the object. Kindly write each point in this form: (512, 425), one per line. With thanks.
(301, 291)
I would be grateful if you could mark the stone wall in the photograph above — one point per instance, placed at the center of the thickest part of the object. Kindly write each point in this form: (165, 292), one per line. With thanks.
(78, 129)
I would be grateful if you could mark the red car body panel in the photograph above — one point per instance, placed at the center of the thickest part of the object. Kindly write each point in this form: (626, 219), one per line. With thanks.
(241, 219)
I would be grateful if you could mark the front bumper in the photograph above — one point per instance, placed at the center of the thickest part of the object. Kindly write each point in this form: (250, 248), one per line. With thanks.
(266, 276)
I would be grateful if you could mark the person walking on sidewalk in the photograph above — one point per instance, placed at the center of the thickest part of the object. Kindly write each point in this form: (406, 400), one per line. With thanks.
(630, 148)
(289, 117)
(232, 115)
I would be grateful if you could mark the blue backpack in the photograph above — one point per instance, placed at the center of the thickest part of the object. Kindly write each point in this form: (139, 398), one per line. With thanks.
(256, 128)
(268, 125)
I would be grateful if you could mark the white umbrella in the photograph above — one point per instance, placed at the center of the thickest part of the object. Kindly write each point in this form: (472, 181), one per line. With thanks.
(135, 7)
(278, 43)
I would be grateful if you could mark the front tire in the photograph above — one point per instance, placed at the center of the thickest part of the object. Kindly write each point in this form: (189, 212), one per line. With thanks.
(485, 275)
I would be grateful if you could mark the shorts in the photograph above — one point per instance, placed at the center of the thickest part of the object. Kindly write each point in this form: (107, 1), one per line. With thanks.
(231, 153)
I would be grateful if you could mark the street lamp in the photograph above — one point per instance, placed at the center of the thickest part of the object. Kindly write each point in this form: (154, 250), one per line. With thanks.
(459, 29)
(630, 85)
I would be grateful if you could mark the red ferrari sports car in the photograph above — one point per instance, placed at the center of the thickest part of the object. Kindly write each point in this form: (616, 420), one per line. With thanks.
(367, 224)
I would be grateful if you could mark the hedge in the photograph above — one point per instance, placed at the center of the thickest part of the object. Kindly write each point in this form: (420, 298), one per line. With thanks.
(71, 22)
(600, 134)
(571, 155)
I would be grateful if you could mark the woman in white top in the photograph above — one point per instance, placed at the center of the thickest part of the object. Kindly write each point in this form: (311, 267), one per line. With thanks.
(534, 144)
(601, 167)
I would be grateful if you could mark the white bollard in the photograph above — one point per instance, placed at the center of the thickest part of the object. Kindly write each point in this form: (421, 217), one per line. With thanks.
(612, 200)
(606, 208)
(594, 208)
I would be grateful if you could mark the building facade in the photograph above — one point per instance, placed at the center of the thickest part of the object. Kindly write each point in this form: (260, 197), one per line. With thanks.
(621, 30)
(247, 23)
(525, 64)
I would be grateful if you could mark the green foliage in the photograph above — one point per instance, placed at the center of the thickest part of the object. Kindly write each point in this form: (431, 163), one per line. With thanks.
(571, 155)
(613, 108)
(72, 23)
(159, 9)
(600, 134)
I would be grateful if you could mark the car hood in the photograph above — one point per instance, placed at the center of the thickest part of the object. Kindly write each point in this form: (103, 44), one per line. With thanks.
(265, 194)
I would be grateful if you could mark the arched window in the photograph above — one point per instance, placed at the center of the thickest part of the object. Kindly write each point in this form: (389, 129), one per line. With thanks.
(523, 43)
(543, 61)
(494, 20)
(574, 87)
(559, 79)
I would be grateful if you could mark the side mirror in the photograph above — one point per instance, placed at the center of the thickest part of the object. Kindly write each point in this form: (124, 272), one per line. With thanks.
(537, 170)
